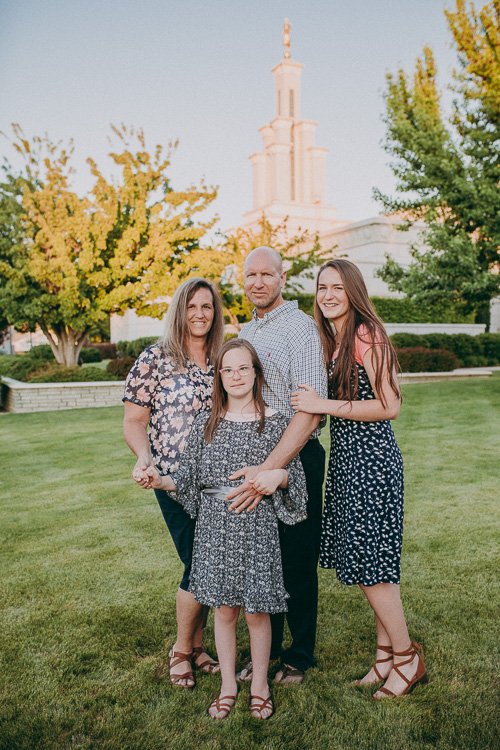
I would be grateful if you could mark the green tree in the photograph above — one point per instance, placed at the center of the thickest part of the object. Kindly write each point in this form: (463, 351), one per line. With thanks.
(225, 259)
(447, 168)
(68, 261)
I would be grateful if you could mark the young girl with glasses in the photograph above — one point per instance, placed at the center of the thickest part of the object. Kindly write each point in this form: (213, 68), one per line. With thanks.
(236, 555)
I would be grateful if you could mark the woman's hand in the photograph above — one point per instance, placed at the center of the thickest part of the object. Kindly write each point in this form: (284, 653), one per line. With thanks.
(266, 482)
(307, 400)
(141, 477)
(157, 482)
(139, 471)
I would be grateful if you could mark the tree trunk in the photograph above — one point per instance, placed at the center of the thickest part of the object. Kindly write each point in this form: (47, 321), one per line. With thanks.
(66, 344)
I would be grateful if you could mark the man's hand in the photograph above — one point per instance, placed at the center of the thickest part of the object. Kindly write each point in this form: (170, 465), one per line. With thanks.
(246, 497)
(268, 481)
(139, 472)
(307, 400)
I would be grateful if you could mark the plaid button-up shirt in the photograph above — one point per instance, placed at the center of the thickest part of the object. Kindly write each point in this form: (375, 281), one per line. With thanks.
(288, 344)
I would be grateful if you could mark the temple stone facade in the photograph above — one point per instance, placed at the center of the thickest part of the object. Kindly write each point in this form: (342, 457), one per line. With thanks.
(289, 181)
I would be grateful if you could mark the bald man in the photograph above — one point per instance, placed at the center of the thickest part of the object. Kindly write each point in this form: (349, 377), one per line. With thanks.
(288, 345)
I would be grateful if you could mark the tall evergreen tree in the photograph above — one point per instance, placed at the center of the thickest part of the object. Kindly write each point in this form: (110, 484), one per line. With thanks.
(447, 169)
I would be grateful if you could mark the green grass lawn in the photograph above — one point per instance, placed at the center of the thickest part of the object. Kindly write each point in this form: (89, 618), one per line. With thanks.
(89, 577)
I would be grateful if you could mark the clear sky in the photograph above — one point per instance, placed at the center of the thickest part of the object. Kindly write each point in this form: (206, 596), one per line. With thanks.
(201, 72)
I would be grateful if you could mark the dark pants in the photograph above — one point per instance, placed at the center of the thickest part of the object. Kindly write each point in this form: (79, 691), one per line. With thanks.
(181, 528)
(299, 552)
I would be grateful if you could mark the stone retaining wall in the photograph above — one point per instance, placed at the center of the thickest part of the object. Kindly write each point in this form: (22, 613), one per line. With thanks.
(28, 397)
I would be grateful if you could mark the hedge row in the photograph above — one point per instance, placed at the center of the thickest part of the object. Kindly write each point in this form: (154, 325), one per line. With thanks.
(471, 351)
(400, 310)
(406, 311)
(419, 359)
(120, 367)
(57, 374)
(428, 352)
(135, 347)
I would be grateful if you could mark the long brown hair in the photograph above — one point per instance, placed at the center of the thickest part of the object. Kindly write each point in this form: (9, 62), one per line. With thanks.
(175, 339)
(344, 379)
(219, 394)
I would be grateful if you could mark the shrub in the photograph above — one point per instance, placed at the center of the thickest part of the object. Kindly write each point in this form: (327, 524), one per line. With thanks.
(6, 362)
(420, 359)
(120, 367)
(90, 354)
(42, 352)
(22, 367)
(467, 348)
(394, 310)
(58, 374)
(135, 347)
(403, 340)
(472, 351)
(107, 349)
(306, 302)
(490, 344)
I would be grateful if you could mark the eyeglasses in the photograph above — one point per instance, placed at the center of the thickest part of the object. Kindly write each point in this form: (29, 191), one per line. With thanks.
(229, 372)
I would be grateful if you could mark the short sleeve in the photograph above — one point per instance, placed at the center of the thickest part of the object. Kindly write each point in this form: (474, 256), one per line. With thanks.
(142, 380)
(290, 503)
(187, 478)
(364, 342)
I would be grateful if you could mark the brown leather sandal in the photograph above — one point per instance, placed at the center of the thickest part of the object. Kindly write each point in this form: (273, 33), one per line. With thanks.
(177, 657)
(420, 676)
(209, 666)
(289, 675)
(246, 673)
(223, 704)
(380, 678)
(256, 709)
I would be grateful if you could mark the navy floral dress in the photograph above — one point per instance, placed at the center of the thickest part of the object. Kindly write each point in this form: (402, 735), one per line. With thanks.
(236, 557)
(363, 516)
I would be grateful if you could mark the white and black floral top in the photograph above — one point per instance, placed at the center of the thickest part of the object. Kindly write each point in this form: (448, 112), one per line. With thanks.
(174, 395)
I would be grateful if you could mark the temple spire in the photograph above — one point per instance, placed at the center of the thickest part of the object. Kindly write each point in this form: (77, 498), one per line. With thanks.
(287, 28)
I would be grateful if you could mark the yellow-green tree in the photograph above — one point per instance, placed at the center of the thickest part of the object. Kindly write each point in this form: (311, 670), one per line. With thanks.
(224, 261)
(85, 257)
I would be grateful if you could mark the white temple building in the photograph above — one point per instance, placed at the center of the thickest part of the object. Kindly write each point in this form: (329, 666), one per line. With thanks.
(289, 180)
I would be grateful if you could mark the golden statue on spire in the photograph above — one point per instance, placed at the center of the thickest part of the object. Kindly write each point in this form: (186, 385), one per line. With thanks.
(286, 38)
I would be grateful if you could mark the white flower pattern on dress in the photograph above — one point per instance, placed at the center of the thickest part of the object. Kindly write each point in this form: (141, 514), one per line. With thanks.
(362, 530)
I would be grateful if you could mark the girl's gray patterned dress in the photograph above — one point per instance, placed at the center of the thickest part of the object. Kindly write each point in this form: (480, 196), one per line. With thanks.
(236, 557)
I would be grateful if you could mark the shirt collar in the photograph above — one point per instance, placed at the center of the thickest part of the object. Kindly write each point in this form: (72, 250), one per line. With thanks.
(285, 307)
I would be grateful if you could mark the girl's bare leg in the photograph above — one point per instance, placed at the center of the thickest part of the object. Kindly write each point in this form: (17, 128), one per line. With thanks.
(385, 600)
(225, 619)
(259, 627)
(383, 667)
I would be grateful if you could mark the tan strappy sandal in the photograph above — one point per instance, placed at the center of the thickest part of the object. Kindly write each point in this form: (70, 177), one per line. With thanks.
(256, 709)
(223, 704)
(420, 676)
(177, 657)
(209, 666)
(380, 678)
